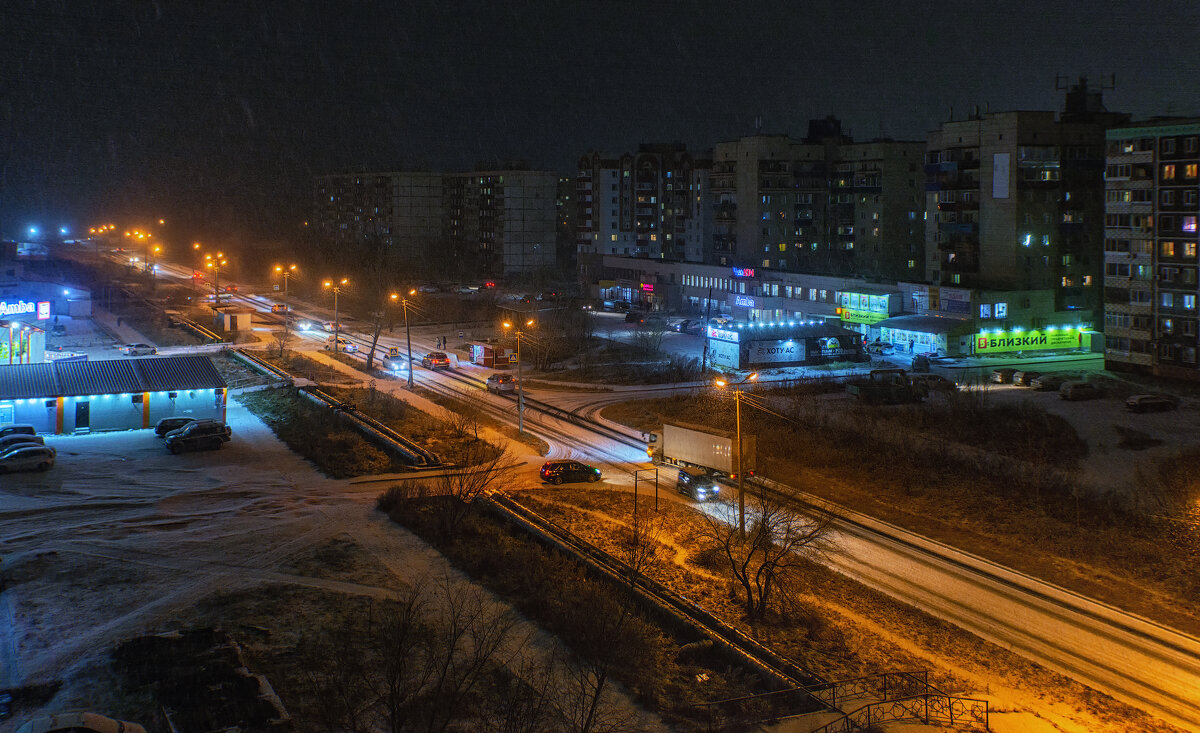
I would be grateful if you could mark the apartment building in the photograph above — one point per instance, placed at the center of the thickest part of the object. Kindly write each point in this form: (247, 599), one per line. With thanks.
(655, 203)
(402, 209)
(1014, 201)
(822, 205)
(1150, 268)
(505, 220)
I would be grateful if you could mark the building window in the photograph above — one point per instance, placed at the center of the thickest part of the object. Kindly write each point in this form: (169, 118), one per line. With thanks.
(1168, 249)
(1189, 145)
(1189, 170)
(812, 293)
(1168, 198)
(1189, 224)
(1168, 172)
(1167, 326)
(1168, 300)
(1168, 145)
(1189, 302)
(1189, 249)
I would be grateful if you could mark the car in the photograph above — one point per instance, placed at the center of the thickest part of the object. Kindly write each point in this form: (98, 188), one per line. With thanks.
(635, 317)
(231, 288)
(27, 457)
(394, 361)
(427, 288)
(879, 348)
(697, 484)
(330, 326)
(558, 472)
(10, 441)
(198, 435)
(18, 429)
(1003, 375)
(721, 320)
(59, 330)
(1025, 377)
(1151, 402)
(78, 722)
(501, 383)
(681, 326)
(1075, 391)
(935, 382)
(279, 308)
(1052, 382)
(435, 360)
(167, 424)
(342, 345)
(621, 306)
(138, 349)
(695, 328)
(920, 363)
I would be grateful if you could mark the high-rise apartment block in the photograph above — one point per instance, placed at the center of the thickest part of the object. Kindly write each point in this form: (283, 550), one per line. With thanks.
(1015, 201)
(1152, 190)
(654, 203)
(497, 221)
(823, 205)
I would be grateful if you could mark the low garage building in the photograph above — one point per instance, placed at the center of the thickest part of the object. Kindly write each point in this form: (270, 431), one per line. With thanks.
(119, 394)
(761, 345)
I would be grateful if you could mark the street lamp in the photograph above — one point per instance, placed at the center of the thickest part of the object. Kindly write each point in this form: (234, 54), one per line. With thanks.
(737, 401)
(407, 336)
(215, 264)
(336, 287)
(286, 273)
(520, 390)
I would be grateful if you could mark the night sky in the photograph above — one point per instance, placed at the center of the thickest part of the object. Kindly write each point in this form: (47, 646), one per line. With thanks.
(217, 113)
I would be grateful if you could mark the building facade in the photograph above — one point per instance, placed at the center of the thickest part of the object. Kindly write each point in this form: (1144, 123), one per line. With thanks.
(1150, 266)
(822, 205)
(507, 218)
(1014, 201)
(400, 209)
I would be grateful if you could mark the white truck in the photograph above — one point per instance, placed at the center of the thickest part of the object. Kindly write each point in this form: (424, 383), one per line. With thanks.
(715, 450)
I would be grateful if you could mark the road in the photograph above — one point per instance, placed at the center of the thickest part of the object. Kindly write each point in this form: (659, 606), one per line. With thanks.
(1144, 664)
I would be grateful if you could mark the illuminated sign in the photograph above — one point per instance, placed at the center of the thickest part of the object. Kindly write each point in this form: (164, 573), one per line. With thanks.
(853, 316)
(774, 352)
(743, 301)
(743, 272)
(18, 308)
(648, 287)
(1070, 338)
(721, 334)
(43, 310)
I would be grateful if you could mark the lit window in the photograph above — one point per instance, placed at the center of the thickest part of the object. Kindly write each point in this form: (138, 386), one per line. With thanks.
(1168, 300)
(1168, 172)
(783, 247)
(614, 237)
(1189, 224)
(1087, 280)
(912, 264)
(1168, 249)
(1189, 302)
(1189, 170)
(1189, 249)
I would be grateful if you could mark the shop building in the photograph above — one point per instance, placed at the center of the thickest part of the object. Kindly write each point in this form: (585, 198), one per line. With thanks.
(784, 344)
(121, 394)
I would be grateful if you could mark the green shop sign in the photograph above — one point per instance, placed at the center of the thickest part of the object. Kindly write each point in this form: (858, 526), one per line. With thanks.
(995, 342)
(853, 316)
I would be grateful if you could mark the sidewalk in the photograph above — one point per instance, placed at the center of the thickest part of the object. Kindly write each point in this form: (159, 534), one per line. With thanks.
(122, 332)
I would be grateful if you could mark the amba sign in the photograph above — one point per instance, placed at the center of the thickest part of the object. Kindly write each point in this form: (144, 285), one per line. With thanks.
(991, 343)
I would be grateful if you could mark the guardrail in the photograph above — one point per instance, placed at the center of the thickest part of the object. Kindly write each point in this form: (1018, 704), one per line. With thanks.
(261, 365)
(933, 708)
(775, 668)
(199, 330)
(419, 456)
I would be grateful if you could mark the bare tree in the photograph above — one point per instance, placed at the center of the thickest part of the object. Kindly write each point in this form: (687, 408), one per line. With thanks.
(767, 562)
(482, 465)
(640, 545)
(464, 420)
(283, 336)
(648, 338)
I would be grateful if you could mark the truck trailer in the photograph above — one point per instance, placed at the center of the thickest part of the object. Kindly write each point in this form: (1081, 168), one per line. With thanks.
(678, 444)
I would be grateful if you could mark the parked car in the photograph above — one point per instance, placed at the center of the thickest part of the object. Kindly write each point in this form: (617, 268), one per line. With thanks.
(10, 441)
(18, 429)
(27, 457)
(59, 330)
(879, 347)
(694, 328)
(920, 364)
(198, 435)
(435, 360)
(342, 345)
(557, 472)
(501, 383)
(167, 424)
(1052, 382)
(621, 306)
(427, 288)
(1003, 375)
(138, 349)
(1075, 391)
(697, 484)
(635, 317)
(331, 327)
(935, 382)
(1151, 402)
(1025, 377)
(279, 308)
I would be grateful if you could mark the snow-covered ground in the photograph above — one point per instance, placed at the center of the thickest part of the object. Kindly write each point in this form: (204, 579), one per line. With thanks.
(122, 537)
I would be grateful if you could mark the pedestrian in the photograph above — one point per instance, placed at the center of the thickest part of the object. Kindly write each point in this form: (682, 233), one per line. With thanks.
(445, 341)
(118, 321)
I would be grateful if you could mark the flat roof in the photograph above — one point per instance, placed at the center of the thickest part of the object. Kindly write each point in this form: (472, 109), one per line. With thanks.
(112, 376)
(927, 324)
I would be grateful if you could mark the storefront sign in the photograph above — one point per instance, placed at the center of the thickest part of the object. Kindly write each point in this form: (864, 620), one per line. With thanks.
(16, 308)
(775, 352)
(648, 287)
(833, 346)
(721, 334)
(853, 316)
(743, 272)
(743, 301)
(723, 353)
(43, 310)
(1071, 338)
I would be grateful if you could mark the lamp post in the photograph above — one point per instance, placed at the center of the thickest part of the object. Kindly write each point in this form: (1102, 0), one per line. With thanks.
(286, 273)
(407, 336)
(215, 264)
(520, 389)
(196, 272)
(737, 401)
(336, 287)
